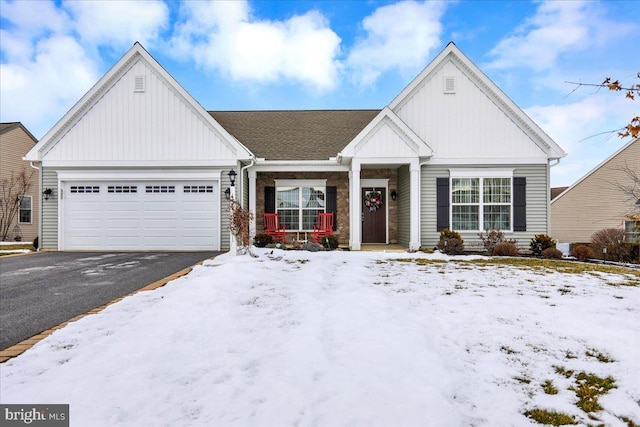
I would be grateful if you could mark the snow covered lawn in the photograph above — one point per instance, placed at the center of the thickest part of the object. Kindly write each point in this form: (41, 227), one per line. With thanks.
(345, 339)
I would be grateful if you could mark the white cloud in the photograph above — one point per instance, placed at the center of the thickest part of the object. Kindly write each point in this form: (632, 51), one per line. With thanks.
(398, 36)
(558, 27)
(583, 130)
(50, 52)
(118, 23)
(222, 36)
(36, 91)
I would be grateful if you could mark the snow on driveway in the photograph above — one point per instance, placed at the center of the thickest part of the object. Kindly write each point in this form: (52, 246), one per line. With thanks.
(341, 339)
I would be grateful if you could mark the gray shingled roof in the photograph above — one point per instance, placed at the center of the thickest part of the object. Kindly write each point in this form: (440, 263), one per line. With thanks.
(295, 135)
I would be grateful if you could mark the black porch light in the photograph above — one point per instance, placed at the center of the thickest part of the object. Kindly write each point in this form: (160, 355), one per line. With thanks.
(47, 192)
(232, 177)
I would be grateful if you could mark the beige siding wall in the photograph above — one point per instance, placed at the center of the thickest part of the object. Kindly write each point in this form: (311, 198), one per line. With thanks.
(14, 144)
(404, 206)
(595, 203)
(537, 204)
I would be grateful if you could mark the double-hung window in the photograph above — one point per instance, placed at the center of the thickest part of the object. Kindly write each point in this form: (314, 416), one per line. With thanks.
(24, 213)
(298, 203)
(481, 200)
(632, 231)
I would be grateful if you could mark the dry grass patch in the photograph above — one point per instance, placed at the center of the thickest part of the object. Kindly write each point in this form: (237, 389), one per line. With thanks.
(550, 417)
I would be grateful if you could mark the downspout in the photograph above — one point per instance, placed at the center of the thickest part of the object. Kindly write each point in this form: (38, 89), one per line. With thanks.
(253, 162)
(549, 231)
(39, 205)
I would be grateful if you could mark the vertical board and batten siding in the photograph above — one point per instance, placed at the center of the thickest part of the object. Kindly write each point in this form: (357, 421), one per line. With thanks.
(155, 125)
(225, 213)
(385, 141)
(14, 145)
(537, 203)
(50, 210)
(404, 206)
(467, 124)
(595, 203)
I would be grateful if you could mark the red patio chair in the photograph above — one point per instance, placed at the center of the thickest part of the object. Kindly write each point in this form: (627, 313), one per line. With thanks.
(324, 226)
(273, 228)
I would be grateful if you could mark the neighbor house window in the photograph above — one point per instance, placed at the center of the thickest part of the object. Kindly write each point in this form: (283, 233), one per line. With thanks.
(298, 203)
(632, 231)
(24, 214)
(481, 202)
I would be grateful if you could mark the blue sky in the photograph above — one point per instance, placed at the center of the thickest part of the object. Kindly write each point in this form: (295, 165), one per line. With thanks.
(239, 55)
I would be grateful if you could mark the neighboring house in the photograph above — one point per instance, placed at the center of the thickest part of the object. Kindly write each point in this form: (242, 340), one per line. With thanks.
(595, 201)
(556, 191)
(15, 142)
(137, 163)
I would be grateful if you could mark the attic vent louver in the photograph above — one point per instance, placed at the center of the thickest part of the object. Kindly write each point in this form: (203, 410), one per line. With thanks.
(449, 84)
(139, 84)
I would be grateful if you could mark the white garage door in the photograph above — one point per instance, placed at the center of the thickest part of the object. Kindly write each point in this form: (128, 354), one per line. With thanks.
(145, 215)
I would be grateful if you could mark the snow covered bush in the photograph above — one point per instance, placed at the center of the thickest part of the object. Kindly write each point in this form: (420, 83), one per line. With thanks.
(492, 238)
(450, 243)
(613, 240)
(330, 242)
(540, 242)
(551, 253)
(262, 239)
(505, 249)
(583, 253)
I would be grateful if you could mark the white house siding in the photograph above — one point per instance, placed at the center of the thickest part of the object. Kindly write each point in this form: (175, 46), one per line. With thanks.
(466, 124)
(594, 202)
(537, 203)
(404, 206)
(50, 210)
(385, 141)
(155, 125)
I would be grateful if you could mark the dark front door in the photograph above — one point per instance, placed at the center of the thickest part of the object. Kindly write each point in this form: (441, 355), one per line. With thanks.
(374, 216)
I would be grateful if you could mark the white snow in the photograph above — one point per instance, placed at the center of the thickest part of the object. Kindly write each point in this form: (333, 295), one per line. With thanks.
(341, 339)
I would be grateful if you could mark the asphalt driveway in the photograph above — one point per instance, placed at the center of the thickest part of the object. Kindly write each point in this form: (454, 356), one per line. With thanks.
(42, 290)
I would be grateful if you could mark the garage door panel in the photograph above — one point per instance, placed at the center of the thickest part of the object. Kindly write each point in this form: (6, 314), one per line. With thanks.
(141, 215)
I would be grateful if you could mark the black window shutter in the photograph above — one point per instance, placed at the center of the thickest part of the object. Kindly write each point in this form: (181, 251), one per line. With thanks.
(442, 203)
(332, 204)
(519, 204)
(269, 199)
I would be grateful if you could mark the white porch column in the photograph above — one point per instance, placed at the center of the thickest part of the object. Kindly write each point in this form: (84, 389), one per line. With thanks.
(414, 180)
(252, 200)
(355, 210)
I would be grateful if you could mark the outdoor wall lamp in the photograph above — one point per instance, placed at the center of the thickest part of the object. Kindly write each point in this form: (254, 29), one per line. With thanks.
(394, 195)
(232, 177)
(227, 193)
(47, 192)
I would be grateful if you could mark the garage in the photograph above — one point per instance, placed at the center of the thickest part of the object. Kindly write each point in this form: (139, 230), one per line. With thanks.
(140, 215)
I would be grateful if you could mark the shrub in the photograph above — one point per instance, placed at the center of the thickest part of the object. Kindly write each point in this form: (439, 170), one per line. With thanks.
(492, 238)
(582, 253)
(505, 249)
(551, 253)
(262, 239)
(540, 242)
(451, 242)
(613, 240)
(330, 242)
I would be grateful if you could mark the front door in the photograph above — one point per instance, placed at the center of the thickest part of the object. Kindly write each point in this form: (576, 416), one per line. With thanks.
(374, 215)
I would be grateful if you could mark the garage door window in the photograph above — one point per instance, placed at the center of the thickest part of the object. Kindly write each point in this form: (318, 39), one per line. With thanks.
(122, 189)
(198, 188)
(85, 189)
(160, 189)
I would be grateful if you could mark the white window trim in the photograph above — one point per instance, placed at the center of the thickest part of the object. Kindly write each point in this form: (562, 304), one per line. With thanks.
(302, 183)
(481, 174)
(30, 209)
